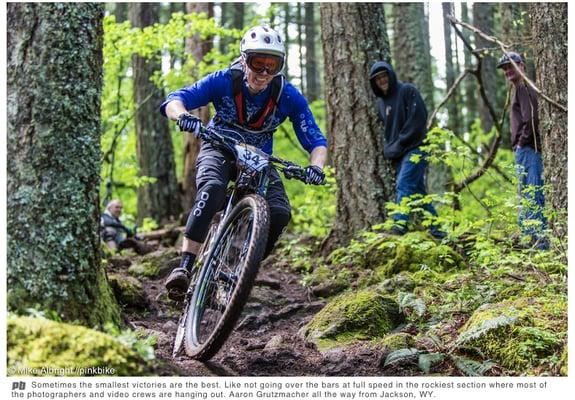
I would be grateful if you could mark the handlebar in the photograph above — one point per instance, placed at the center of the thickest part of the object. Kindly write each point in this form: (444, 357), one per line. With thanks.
(288, 168)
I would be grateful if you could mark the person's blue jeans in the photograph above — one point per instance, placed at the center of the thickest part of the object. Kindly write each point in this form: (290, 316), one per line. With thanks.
(530, 175)
(411, 180)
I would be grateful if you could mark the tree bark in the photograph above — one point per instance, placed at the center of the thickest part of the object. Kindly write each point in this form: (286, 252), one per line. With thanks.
(300, 43)
(365, 180)
(287, 20)
(470, 82)
(239, 12)
(159, 200)
(549, 23)
(198, 48)
(483, 20)
(54, 85)
(453, 104)
(311, 71)
(225, 9)
(411, 49)
(121, 12)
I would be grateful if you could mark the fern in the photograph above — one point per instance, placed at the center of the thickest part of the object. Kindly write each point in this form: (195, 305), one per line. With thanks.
(484, 327)
(471, 367)
(406, 355)
(410, 301)
(426, 361)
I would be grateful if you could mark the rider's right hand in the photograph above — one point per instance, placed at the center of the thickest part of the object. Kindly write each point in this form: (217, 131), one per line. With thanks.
(189, 123)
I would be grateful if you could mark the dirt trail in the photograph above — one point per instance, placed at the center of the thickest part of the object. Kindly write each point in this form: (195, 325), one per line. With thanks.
(265, 341)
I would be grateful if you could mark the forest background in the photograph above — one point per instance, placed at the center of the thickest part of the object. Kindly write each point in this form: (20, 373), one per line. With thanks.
(148, 50)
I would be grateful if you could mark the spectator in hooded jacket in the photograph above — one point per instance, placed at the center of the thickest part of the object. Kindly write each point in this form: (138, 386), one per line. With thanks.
(526, 144)
(404, 115)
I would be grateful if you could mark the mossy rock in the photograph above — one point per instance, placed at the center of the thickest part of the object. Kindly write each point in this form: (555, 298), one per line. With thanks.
(564, 362)
(36, 343)
(352, 317)
(413, 252)
(128, 291)
(383, 256)
(118, 262)
(326, 282)
(396, 341)
(518, 334)
(155, 265)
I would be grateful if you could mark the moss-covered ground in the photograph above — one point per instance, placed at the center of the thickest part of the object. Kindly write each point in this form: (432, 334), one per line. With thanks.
(40, 347)
(480, 302)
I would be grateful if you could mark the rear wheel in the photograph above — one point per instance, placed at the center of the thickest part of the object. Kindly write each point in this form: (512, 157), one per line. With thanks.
(226, 278)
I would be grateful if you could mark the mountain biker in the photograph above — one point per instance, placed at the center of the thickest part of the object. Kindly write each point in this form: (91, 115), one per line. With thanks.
(403, 112)
(252, 98)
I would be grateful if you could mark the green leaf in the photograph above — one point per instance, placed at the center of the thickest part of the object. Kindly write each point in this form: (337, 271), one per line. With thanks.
(426, 361)
(407, 355)
(471, 367)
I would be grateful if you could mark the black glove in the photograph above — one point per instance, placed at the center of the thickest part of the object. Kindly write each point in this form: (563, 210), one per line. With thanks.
(314, 175)
(189, 123)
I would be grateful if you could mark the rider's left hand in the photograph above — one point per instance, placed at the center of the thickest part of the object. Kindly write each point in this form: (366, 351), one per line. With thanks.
(314, 175)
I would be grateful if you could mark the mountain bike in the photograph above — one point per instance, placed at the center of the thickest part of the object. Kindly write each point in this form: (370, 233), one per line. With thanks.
(228, 261)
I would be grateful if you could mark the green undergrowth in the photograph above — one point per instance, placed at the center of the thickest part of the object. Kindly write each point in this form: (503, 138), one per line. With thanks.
(443, 291)
(522, 334)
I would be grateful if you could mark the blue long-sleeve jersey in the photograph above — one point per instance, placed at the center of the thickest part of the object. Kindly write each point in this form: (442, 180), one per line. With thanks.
(217, 88)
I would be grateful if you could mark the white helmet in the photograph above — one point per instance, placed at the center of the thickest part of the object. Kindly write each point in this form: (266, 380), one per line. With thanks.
(263, 39)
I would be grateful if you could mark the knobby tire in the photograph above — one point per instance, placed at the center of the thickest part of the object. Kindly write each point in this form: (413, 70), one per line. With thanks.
(255, 248)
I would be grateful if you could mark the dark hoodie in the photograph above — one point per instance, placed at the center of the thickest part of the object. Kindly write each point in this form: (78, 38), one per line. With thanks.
(402, 111)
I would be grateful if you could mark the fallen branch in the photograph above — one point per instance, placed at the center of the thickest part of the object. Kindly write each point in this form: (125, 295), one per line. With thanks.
(167, 233)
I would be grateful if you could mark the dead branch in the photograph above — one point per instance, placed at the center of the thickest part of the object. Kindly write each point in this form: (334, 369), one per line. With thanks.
(167, 233)
(504, 49)
(446, 98)
(450, 93)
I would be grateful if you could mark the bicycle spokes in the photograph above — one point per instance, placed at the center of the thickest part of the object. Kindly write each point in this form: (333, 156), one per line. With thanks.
(223, 273)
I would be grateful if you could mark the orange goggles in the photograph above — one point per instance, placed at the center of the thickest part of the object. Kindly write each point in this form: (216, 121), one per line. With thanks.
(264, 62)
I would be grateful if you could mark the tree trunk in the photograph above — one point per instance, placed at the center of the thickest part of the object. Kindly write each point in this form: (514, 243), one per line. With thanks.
(239, 12)
(483, 19)
(411, 54)
(121, 12)
(286, 39)
(470, 82)
(311, 70)
(365, 180)
(160, 199)
(549, 22)
(453, 104)
(225, 9)
(54, 85)
(198, 48)
(300, 29)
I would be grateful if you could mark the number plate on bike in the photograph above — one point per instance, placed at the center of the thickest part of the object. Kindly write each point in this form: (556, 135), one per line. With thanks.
(251, 157)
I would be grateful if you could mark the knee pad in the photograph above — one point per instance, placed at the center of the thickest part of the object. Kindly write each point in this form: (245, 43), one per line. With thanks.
(209, 200)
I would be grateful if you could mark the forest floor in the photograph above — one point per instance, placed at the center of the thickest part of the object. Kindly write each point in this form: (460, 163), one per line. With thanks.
(265, 341)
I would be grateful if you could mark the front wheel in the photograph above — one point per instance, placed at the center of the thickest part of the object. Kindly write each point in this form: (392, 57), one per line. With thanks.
(226, 277)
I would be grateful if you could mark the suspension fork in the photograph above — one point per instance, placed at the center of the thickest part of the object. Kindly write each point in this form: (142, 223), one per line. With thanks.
(264, 181)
